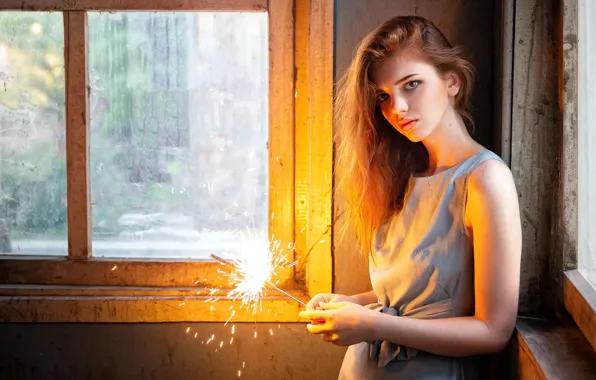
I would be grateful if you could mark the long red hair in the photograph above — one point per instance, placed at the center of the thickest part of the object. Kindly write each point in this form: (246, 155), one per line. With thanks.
(373, 160)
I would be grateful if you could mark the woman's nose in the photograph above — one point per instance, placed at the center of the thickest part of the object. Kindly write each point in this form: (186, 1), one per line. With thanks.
(400, 106)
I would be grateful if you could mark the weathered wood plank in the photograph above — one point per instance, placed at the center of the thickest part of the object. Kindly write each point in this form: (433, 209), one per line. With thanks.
(534, 138)
(104, 272)
(117, 291)
(77, 137)
(580, 301)
(555, 351)
(565, 234)
(504, 78)
(134, 5)
(142, 309)
(302, 125)
(281, 125)
(319, 275)
(527, 367)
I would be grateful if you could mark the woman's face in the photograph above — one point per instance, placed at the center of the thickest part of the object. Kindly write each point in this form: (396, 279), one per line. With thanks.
(412, 95)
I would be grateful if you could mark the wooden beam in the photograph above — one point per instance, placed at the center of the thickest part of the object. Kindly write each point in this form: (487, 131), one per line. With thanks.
(100, 272)
(534, 144)
(77, 138)
(107, 291)
(130, 309)
(319, 274)
(208, 294)
(134, 5)
(303, 136)
(281, 124)
(526, 365)
(314, 104)
(505, 11)
(565, 231)
(580, 302)
(553, 350)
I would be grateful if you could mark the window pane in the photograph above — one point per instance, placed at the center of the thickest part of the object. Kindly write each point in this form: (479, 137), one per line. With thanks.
(587, 140)
(32, 134)
(179, 128)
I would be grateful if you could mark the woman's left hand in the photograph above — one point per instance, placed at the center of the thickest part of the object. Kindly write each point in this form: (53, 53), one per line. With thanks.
(342, 323)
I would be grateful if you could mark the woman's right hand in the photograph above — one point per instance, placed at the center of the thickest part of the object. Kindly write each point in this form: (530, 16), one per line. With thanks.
(327, 298)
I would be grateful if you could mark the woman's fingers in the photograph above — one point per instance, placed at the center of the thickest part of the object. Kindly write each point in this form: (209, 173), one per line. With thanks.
(314, 314)
(332, 305)
(330, 338)
(313, 302)
(318, 328)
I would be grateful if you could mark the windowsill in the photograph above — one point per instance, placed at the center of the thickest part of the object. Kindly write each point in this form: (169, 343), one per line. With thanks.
(122, 273)
(553, 350)
(580, 302)
(30, 303)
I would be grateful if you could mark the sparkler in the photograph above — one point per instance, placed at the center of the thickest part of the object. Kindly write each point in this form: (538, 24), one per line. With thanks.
(252, 275)
(252, 281)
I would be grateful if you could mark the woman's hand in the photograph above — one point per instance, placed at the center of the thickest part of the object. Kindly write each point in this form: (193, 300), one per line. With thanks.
(327, 298)
(342, 323)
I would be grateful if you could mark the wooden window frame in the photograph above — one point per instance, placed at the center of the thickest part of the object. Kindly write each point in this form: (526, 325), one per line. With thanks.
(579, 297)
(81, 288)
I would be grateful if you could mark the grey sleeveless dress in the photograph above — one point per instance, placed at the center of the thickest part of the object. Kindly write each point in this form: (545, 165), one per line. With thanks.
(422, 267)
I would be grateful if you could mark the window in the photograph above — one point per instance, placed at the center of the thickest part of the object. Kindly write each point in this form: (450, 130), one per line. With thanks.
(586, 153)
(178, 119)
(162, 137)
(32, 137)
(579, 60)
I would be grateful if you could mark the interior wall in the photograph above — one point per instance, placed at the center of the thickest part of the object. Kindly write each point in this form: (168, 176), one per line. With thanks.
(536, 148)
(165, 351)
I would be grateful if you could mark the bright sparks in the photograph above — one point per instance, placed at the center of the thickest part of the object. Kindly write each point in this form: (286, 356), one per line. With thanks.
(231, 316)
(256, 269)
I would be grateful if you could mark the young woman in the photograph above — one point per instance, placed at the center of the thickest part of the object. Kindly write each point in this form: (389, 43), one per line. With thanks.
(436, 210)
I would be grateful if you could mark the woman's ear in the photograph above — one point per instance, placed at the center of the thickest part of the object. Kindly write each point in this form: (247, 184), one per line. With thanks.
(453, 83)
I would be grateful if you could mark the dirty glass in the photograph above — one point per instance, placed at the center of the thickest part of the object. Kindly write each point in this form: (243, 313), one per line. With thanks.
(179, 130)
(32, 134)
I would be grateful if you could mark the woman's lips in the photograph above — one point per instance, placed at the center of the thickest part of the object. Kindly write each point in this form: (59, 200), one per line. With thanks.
(408, 125)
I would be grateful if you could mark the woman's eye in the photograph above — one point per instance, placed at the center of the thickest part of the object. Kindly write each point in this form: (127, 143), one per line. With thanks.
(382, 97)
(412, 85)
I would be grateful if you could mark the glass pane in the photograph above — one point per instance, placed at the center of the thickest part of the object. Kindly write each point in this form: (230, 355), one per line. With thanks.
(32, 134)
(587, 140)
(179, 128)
